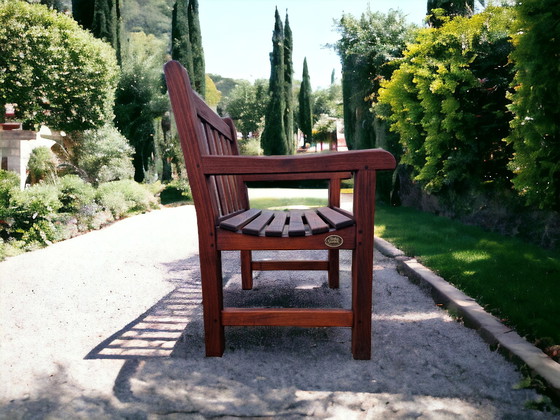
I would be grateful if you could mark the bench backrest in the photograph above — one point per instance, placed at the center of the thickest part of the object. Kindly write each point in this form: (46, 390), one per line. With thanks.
(203, 132)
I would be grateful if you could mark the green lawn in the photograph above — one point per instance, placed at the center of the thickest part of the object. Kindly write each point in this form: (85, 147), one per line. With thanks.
(517, 282)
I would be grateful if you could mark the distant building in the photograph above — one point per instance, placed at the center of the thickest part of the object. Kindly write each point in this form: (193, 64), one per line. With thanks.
(16, 146)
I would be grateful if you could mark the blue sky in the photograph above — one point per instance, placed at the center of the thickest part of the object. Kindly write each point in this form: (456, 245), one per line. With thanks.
(237, 34)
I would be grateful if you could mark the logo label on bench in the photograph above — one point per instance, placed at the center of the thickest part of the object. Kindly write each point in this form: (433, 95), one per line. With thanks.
(333, 241)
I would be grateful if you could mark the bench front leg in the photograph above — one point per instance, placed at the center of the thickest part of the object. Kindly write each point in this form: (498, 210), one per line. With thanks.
(212, 298)
(362, 264)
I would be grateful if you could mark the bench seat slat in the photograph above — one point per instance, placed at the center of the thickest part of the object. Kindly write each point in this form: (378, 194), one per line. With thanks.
(334, 218)
(296, 226)
(316, 224)
(237, 222)
(258, 224)
(276, 227)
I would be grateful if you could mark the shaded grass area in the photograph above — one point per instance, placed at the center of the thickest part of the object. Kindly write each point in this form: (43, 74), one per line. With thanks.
(517, 282)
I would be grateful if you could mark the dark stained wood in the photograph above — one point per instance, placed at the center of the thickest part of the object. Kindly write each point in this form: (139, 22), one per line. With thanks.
(233, 241)
(246, 270)
(298, 177)
(362, 264)
(287, 317)
(276, 228)
(217, 175)
(334, 272)
(238, 221)
(255, 227)
(335, 218)
(290, 265)
(316, 224)
(296, 226)
(355, 160)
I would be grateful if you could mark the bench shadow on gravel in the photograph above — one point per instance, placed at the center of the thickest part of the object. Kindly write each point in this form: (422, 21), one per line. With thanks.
(270, 371)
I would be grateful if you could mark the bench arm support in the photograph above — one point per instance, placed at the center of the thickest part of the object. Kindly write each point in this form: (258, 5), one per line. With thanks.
(356, 160)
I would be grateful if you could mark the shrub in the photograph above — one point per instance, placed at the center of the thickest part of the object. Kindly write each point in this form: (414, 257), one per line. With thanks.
(75, 193)
(105, 155)
(121, 197)
(250, 147)
(9, 182)
(176, 191)
(447, 102)
(42, 165)
(32, 211)
(57, 73)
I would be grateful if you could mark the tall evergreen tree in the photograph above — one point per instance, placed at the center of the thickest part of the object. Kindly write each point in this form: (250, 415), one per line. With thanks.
(195, 37)
(305, 108)
(82, 12)
(288, 86)
(106, 23)
(53, 4)
(273, 139)
(181, 49)
(186, 42)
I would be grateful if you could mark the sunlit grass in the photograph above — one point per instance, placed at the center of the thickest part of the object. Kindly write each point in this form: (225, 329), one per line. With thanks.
(516, 281)
(285, 203)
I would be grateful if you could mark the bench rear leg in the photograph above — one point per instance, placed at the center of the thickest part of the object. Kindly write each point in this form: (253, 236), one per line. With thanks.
(246, 270)
(334, 268)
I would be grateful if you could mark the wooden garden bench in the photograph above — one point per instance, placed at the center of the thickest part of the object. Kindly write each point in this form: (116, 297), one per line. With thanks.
(217, 175)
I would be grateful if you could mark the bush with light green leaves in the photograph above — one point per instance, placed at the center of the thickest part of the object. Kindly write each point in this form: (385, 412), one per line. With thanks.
(447, 102)
(55, 72)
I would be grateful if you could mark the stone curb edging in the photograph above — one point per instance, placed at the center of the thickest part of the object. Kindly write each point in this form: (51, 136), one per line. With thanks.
(475, 317)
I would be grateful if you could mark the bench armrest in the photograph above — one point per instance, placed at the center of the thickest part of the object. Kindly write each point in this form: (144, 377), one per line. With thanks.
(356, 160)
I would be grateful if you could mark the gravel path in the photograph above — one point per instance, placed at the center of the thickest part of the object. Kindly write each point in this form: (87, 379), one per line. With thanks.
(108, 325)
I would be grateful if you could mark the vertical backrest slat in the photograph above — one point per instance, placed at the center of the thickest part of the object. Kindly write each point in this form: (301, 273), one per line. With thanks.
(228, 180)
(218, 180)
(203, 132)
(242, 193)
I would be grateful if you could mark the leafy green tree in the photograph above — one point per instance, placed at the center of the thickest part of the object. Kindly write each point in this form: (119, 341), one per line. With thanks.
(327, 101)
(305, 106)
(139, 101)
(535, 128)
(447, 103)
(246, 105)
(288, 86)
(186, 42)
(365, 47)
(151, 17)
(212, 95)
(449, 8)
(56, 73)
(273, 139)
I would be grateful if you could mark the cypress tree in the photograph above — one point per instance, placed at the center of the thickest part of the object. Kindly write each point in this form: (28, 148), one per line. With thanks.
(305, 108)
(186, 42)
(273, 139)
(195, 38)
(106, 23)
(288, 87)
(82, 12)
(181, 49)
